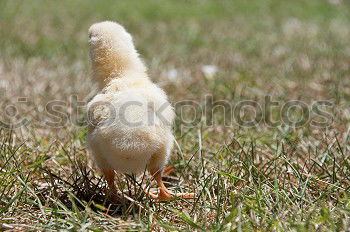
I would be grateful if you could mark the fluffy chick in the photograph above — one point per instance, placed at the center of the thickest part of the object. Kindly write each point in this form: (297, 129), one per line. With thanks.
(130, 120)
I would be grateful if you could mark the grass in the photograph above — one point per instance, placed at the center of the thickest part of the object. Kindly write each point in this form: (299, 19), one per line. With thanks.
(262, 178)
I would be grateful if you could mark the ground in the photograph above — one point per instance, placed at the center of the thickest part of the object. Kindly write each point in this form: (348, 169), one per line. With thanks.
(269, 175)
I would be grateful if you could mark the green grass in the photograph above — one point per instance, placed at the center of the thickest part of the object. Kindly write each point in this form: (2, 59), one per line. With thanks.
(260, 178)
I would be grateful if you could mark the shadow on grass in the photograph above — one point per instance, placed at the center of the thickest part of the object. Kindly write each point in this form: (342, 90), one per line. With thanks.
(84, 189)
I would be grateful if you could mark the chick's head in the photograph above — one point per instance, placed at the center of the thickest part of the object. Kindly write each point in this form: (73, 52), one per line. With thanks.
(112, 51)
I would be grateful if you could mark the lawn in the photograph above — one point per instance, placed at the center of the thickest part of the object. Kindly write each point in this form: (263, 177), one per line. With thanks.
(261, 89)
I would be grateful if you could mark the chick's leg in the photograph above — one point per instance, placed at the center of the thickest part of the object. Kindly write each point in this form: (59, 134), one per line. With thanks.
(110, 176)
(164, 193)
(156, 170)
(107, 171)
(112, 189)
(168, 170)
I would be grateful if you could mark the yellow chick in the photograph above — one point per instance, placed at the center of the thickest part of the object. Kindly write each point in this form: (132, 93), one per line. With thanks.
(130, 120)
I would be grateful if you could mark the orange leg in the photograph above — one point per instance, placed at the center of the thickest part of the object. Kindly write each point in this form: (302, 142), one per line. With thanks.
(164, 193)
(109, 176)
(112, 190)
(168, 170)
(151, 195)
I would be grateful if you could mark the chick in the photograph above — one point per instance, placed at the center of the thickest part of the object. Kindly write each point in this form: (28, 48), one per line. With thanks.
(130, 120)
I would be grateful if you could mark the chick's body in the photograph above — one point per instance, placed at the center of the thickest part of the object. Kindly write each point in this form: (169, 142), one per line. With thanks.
(134, 130)
(131, 119)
